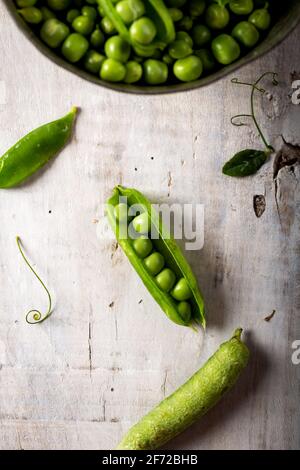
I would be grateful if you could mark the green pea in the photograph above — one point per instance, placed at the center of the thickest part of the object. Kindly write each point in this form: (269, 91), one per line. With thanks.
(101, 11)
(107, 25)
(47, 14)
(165, 279)
(196, 7)
(121, 212)
(261, 19)
(246, 33)
(155, 72)
(25, 3)
(175, 14)
(130, 10)
(142, 246)
(112, 71)
(241, 7)
(185, 36)
(141, 223)
(74, 47)
(134, 72)
(143, 30)
(154, 263)
(53, 32)
(185, 311)
(207, 59)
(217, 16)
(90, 12)
(176, 3)
(186, 23)
(179, 49)
(93, 61)
(97, 38)
(31, 15)
(58, 5)
(167, 59)
(117, 48)
(83, 25)
(181, 290)
(188, 69)
(201, 35)
(72, 14)
(225, 49)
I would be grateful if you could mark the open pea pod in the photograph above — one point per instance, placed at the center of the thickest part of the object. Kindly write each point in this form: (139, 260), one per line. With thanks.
(166, 246)
(157, 11)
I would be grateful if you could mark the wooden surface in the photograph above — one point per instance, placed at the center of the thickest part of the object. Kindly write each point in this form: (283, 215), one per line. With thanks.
(104, 358)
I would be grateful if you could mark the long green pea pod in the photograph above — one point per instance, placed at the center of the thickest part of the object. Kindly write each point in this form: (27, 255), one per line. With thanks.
(192, 400)
(34, 150)
(165, 245)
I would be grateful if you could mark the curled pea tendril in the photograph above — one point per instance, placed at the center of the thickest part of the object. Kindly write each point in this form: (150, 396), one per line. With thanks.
(236, 120)
(35, 316)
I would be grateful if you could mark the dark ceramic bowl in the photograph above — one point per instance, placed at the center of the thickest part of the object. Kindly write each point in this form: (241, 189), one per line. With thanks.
(287, 20)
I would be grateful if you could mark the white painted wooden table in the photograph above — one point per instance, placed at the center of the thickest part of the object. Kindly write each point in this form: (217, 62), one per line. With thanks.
(104, 358)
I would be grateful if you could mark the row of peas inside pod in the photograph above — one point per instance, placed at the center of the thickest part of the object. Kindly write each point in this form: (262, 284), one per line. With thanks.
(138, 231)
(149, 42)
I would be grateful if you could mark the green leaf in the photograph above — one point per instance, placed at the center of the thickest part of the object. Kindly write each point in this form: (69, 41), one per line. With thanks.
(245, 163)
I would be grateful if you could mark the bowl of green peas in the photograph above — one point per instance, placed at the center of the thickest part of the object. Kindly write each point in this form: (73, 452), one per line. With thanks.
(154, 46)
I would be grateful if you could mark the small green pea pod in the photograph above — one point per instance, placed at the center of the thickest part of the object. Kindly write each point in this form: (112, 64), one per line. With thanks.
(192, 400)
(34, 150)
(165, 245)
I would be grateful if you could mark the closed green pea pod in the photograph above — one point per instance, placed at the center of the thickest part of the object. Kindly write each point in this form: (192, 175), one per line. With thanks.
(192, 400)
(166, 256)
(34, 150)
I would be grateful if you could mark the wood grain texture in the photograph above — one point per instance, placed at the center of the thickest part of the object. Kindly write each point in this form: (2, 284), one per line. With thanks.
(104, 358)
